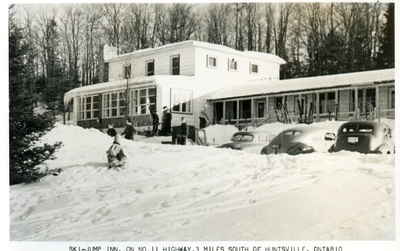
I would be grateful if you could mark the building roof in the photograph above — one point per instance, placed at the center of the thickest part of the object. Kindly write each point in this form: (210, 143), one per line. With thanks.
(270, 87)
(118, 84)
(252, 54)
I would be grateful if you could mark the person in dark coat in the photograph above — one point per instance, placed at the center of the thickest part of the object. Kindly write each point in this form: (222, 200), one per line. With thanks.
(182, 132)
(129, 130)
(156, 122)
(166, 122)
(111, 131)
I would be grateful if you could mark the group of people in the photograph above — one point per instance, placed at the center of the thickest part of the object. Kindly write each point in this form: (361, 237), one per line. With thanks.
(115, 154)
(165, 123)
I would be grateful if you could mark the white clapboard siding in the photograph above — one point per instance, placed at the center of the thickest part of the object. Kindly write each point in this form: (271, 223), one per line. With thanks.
(266, 70)
(162, 63)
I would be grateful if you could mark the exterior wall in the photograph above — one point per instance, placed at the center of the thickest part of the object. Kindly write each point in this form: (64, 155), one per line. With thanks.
(384, 97)
(271, 109)
(385, 102)
(266, 70)
(162, 63)
(344, 100)
(142, 120)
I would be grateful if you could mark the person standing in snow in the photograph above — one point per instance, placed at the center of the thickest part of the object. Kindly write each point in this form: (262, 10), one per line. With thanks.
(111, 131)
(156, 122)
(182, 132)
(166, 122)
(129, 130)
(115, 155)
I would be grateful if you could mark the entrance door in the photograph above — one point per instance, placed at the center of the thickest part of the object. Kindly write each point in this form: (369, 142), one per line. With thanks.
(260, 109)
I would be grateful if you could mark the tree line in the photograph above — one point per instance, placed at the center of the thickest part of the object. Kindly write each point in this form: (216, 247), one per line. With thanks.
(66, 41)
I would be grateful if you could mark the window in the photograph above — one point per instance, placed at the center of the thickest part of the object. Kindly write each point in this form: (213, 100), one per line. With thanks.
(181, 100)
(150, 68)
(127, 71)
(278, 102)
(175, 65)
(231, 110)
(253, 68)
(352, 101)
(89, 107)
(245, 109)
(114, 104)
(392, 98)
(211, 62)
(327, 102)
(143, 100)
(260, 109)
(232, 64)
(242, 137)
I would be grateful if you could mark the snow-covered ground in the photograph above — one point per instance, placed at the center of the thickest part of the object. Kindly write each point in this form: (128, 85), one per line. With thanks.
(172, 192)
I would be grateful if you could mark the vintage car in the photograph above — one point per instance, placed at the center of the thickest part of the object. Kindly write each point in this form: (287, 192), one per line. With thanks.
(364, 137)
(299, 140)
(251, 141)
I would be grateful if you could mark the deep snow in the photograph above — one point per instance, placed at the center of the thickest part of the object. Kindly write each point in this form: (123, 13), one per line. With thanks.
(172, 192)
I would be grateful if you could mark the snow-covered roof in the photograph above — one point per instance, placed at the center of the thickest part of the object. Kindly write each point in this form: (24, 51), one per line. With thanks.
(262, 87)
(253, 54)
(118, 84)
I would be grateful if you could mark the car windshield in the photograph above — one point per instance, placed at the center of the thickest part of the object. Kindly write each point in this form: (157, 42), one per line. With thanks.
(358, 128)
(240, 137)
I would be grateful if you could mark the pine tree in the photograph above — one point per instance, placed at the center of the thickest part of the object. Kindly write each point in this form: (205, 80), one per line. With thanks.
(386, 51)
(26, 128)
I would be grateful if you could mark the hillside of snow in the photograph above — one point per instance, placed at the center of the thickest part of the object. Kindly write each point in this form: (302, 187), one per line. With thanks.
(171, 192)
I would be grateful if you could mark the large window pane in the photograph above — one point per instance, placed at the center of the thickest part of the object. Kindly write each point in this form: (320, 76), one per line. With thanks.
(245, 109)
(231, 110)
(152, 91)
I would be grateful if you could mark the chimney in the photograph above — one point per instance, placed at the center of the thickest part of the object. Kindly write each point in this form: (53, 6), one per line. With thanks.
(109, 52)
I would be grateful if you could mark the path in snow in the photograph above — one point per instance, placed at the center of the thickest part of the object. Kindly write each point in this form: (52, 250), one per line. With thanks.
(201, 193)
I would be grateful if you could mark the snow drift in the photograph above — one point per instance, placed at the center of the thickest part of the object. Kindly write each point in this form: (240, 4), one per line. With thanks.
(172, 192)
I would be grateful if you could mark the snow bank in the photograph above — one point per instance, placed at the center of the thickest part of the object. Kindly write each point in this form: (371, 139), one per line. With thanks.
(219, 134)
(177, 192)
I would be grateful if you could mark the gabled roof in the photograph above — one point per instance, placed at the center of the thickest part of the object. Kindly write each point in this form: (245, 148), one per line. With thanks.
(270, 87)
(252, 54)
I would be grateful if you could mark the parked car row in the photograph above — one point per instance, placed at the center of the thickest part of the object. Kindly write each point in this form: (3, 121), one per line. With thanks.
(358, 136)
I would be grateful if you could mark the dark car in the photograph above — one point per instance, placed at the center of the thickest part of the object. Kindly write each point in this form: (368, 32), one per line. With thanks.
(247, 141)
(298, 140)
(364, 137)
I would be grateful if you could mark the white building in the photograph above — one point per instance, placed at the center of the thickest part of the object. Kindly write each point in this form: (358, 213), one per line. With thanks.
(230, 86)
(177, 75)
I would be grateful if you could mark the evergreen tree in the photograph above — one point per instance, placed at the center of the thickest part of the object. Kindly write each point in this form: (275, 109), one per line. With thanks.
(332, 55)
(386, 51)
(24, 126)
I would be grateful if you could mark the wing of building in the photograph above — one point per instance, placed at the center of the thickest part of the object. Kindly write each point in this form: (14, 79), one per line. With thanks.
(194, 78)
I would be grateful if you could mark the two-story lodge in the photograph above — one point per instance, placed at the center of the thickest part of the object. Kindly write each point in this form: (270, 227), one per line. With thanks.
(230, 86)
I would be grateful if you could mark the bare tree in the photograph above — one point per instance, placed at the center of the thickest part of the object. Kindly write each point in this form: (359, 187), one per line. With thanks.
(113, 14)
(280, 28)
(71, 25)
(217, 22)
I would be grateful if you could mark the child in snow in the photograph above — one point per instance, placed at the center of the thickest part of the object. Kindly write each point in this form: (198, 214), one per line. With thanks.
(115, 155)
(111, 131)
(129, 130)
